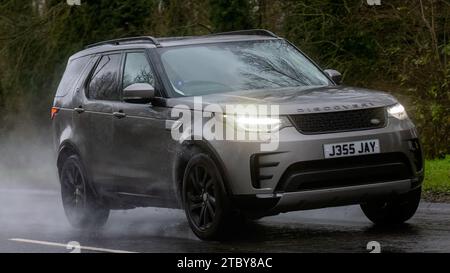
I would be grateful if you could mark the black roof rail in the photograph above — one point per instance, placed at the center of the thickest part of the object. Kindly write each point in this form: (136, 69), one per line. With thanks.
(261, 32)
(127, 40)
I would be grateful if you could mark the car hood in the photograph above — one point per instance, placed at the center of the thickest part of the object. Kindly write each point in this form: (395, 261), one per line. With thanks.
(294, 100)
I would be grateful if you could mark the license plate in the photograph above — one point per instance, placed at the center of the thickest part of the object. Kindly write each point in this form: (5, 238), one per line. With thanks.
(351, 148)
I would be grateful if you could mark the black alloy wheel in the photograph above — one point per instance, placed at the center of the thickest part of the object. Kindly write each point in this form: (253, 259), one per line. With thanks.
(80, 206)
(205, 202)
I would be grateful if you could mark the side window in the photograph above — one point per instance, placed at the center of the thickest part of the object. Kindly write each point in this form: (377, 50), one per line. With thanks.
(71, 75)
(137, 70)
(104, 80)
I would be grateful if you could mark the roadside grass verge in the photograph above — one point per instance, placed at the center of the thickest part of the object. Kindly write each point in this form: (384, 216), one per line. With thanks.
(436, 186)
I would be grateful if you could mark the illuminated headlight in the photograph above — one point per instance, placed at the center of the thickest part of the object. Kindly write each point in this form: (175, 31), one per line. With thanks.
(397, 111)
(258, 124)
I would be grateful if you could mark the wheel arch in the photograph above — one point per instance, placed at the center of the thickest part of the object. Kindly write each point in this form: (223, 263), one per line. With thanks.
(67, 149)
(187, 149)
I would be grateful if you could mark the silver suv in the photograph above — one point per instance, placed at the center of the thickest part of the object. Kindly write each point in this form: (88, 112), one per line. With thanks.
(125, 122)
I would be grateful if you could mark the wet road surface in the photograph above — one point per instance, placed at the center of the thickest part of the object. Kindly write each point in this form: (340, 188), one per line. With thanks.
(33, 221)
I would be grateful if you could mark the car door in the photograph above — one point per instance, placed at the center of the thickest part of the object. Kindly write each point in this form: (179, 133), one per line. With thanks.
(140, 135)
(95, 113)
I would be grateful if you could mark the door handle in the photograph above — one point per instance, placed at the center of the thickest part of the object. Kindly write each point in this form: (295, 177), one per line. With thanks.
(79, 110)
(119, 114)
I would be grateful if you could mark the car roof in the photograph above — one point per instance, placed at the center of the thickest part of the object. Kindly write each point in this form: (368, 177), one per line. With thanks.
(193, 40)
(151, 42)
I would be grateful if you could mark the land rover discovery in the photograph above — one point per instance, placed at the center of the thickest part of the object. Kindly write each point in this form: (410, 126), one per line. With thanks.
(113, 125)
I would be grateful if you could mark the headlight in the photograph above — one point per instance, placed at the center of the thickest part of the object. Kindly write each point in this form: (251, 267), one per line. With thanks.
(397, 111)
(258, 124)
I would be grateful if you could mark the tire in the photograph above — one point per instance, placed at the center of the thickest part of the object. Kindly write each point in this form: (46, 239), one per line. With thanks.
(80, 206)
(393, 212)
(204, 199)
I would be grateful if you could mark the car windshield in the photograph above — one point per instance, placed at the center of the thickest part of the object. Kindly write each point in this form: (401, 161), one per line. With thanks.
(203, 69)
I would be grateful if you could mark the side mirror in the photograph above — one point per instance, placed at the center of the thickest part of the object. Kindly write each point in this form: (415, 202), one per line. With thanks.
(139, 93)
(334, 75)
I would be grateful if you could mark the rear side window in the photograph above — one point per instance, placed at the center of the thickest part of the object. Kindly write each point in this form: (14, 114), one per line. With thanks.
(137, 70)
(104, 80)
(71, 75)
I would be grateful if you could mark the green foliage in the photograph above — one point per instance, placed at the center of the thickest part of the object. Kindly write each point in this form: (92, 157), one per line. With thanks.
(437, 175)
(229, 15)
(401, 47)
(185, 17)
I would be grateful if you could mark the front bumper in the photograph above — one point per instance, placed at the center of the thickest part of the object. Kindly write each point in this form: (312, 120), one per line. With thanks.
(263, 184)
(341, 196)
(271, 204)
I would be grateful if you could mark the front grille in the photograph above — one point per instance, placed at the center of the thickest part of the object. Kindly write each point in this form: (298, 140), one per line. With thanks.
(319, 123)
(344, 172)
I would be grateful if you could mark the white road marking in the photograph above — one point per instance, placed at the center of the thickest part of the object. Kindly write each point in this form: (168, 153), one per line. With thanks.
(65, 245)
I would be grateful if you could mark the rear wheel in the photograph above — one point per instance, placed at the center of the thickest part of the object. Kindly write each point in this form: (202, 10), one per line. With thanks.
(81, 207)
(205, 202)
(393, 212)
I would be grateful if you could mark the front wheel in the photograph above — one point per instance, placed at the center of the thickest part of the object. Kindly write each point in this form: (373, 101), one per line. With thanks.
(205, 202)
(81, 207)
(393, 212)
